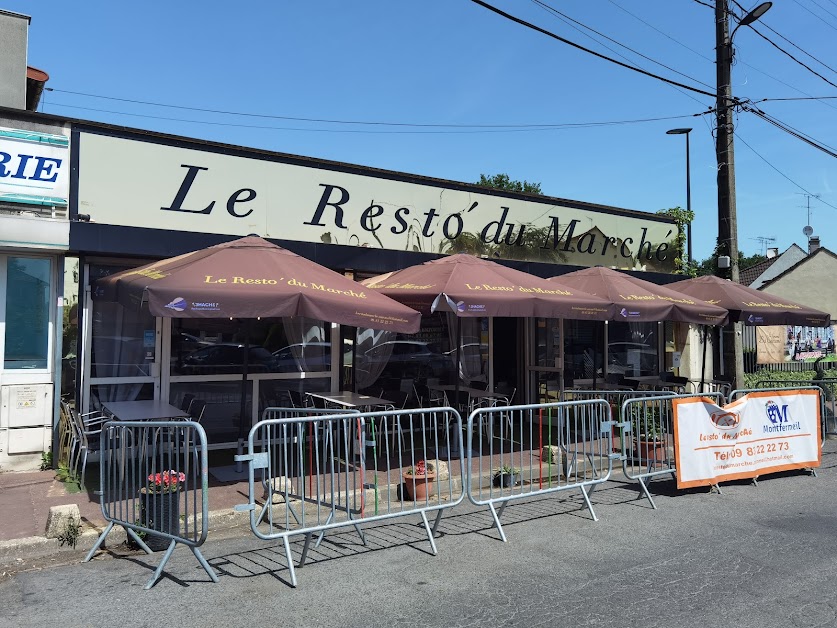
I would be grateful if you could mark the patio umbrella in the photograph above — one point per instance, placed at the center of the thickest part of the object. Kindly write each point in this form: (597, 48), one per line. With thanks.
(638, 300)
(252, 278)
(473, 287)
(750, 306)
(642, 301)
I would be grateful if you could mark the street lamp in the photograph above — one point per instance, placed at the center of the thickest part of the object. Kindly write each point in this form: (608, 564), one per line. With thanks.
(688, 190)
(727, 219)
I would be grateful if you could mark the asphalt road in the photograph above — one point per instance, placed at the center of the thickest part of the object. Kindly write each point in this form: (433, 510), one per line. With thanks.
(753, 556)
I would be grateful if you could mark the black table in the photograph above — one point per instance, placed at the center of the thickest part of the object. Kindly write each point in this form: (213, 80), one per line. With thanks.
(146, 410)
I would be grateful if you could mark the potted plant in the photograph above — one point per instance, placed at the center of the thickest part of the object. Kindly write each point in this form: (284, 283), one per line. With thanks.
(506, 476)
(649, 435)
(160, 507)
(418, 480)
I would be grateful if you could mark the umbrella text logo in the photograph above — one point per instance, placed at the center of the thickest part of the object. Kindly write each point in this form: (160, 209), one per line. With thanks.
(178, 305)
(460, 306)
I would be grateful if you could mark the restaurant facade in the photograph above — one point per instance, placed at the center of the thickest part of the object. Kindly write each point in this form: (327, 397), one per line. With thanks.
(136, 196)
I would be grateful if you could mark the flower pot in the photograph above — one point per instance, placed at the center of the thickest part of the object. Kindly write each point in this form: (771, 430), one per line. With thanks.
(419, 487)
(506, 480)
(161, 512)
(650, 449)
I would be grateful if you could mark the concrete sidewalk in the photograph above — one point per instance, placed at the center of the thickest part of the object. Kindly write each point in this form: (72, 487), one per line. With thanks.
(26, 498)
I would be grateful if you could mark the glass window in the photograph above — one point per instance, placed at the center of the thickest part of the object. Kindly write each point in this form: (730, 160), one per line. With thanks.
(123, 338)
(222, 408)
(632, 349)
(28, 283)
(583, 350)
(216, 346)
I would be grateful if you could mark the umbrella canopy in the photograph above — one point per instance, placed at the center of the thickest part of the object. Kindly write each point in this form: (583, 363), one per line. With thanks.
(472, 287)
(750, 306)
(638, 300)
(251, 278)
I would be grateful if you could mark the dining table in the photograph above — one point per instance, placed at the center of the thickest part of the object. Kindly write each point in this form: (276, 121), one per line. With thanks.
(348, 399)
(143, 410)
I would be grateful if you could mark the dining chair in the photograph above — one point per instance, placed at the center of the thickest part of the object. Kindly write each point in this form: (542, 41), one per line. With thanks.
(297, 400)
(186, 402)
(316, 401)
(196, 410)
(88, 432)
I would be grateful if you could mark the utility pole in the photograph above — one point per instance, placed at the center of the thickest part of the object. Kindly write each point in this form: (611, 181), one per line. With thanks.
(727, 215)
(733, 347)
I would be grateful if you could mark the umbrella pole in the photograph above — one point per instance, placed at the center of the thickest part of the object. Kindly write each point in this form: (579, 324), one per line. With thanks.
(354, 359)
(243, 409)
(458, 345)
(703, 362)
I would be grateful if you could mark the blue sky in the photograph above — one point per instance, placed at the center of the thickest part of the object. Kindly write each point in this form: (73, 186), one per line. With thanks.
(452, 62)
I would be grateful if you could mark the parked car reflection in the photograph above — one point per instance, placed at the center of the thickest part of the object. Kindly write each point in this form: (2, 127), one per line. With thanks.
(224, 358)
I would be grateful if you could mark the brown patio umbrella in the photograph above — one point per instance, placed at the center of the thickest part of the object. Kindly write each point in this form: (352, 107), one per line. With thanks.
(250, 278)
(642, 301)
(470, 286)
(750, 306)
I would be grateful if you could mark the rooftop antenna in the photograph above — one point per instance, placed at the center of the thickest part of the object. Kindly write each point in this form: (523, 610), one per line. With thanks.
(808, 230)
(764, 241)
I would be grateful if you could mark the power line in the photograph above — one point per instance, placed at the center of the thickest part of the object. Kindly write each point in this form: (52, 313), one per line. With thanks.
(819, 17)
(798, 48)
(588, 50)
(738, 136)
(823, 8)
(783, 51)
(806, 98)
(812, 142)
(636, 52)
(461, 129)
(664, 34)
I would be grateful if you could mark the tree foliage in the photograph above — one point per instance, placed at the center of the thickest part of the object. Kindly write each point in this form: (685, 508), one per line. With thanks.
(503, 182)
(708, 266)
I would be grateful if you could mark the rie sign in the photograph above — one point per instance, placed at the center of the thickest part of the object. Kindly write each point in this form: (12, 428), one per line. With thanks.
(763, 432)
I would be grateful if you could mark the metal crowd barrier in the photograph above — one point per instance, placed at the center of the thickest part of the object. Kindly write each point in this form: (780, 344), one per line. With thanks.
(828, 399)
(645, 435)
(528, 450)
(782, 387)
(337, 470)
(154, 483)
(274, 486)
(614, 397)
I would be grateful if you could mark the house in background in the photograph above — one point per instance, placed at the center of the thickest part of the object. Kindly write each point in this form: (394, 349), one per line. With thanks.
(810, 281)
(775, 264)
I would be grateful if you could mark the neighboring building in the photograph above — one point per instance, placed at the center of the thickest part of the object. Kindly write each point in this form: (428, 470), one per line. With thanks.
(34, 235)
(775, 264)
(810, 282)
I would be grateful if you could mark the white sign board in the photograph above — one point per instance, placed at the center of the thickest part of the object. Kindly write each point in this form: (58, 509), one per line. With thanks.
(34, 167)
(159, 186)
(763, 432)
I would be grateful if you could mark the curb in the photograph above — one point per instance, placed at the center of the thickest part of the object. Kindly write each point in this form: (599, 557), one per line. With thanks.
(39, 547)
(36, 547)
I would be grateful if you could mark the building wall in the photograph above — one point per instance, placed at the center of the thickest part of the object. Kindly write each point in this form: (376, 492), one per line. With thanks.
(13, 35)
(786, 260)
(34, 235)
(810, 282)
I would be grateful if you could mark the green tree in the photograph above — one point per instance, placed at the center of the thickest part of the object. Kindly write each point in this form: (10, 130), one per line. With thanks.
(503, 182)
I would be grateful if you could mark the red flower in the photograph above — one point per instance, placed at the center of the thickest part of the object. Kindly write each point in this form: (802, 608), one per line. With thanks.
(165, 481)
